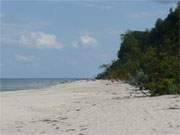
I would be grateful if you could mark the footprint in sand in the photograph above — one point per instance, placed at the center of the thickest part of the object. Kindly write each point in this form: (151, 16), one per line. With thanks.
(77, 110)
(49, 121)
(19, 127)
(67, 130)
(57, 127)
(45, 120)
(62, 118)
(53, 124)
(83, 129)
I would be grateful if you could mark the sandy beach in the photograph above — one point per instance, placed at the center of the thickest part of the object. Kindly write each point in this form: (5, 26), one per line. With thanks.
(88, 108)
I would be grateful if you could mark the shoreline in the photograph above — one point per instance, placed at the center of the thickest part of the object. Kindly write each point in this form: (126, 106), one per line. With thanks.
(88, 107)
(49, 88)
(43, 87)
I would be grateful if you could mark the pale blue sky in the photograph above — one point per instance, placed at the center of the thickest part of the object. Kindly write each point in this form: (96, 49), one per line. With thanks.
(68, 39)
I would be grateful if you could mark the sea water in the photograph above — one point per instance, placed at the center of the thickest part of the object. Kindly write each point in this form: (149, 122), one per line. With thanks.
(31, 83)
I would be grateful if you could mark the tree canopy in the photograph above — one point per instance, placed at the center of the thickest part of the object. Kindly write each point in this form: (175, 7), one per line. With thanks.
(150, 59)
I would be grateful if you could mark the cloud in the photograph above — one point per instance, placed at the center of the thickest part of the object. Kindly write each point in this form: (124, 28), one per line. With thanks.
(88, 40)
(11, 32)
(23, 58)
(75, 44)
(40, 40)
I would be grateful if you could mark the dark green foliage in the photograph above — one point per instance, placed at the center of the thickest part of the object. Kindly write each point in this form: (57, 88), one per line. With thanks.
(150, 59)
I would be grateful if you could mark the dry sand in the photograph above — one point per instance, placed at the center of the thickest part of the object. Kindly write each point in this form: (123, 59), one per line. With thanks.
(88, 108)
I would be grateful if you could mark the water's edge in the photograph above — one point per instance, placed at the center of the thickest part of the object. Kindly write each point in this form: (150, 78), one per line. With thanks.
(33, 83)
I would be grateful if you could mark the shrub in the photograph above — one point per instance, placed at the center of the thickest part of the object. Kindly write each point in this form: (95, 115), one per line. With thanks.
(165, 86)
(139, 79)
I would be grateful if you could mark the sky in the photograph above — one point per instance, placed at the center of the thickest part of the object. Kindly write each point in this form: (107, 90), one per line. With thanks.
(68, 39)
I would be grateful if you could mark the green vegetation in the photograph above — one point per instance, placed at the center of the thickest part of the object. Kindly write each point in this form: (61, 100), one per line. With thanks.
(150, 59)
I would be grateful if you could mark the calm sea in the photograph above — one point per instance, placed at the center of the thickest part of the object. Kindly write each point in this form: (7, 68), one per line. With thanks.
(31, 83)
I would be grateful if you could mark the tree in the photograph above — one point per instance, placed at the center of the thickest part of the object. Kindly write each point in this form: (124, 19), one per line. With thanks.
(150, 58)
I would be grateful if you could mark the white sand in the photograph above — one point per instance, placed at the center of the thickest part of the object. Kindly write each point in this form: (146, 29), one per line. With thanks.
(88, 108)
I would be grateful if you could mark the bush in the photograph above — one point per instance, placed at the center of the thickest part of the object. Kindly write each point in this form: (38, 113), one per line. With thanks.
(139, 79)
(165, 86)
